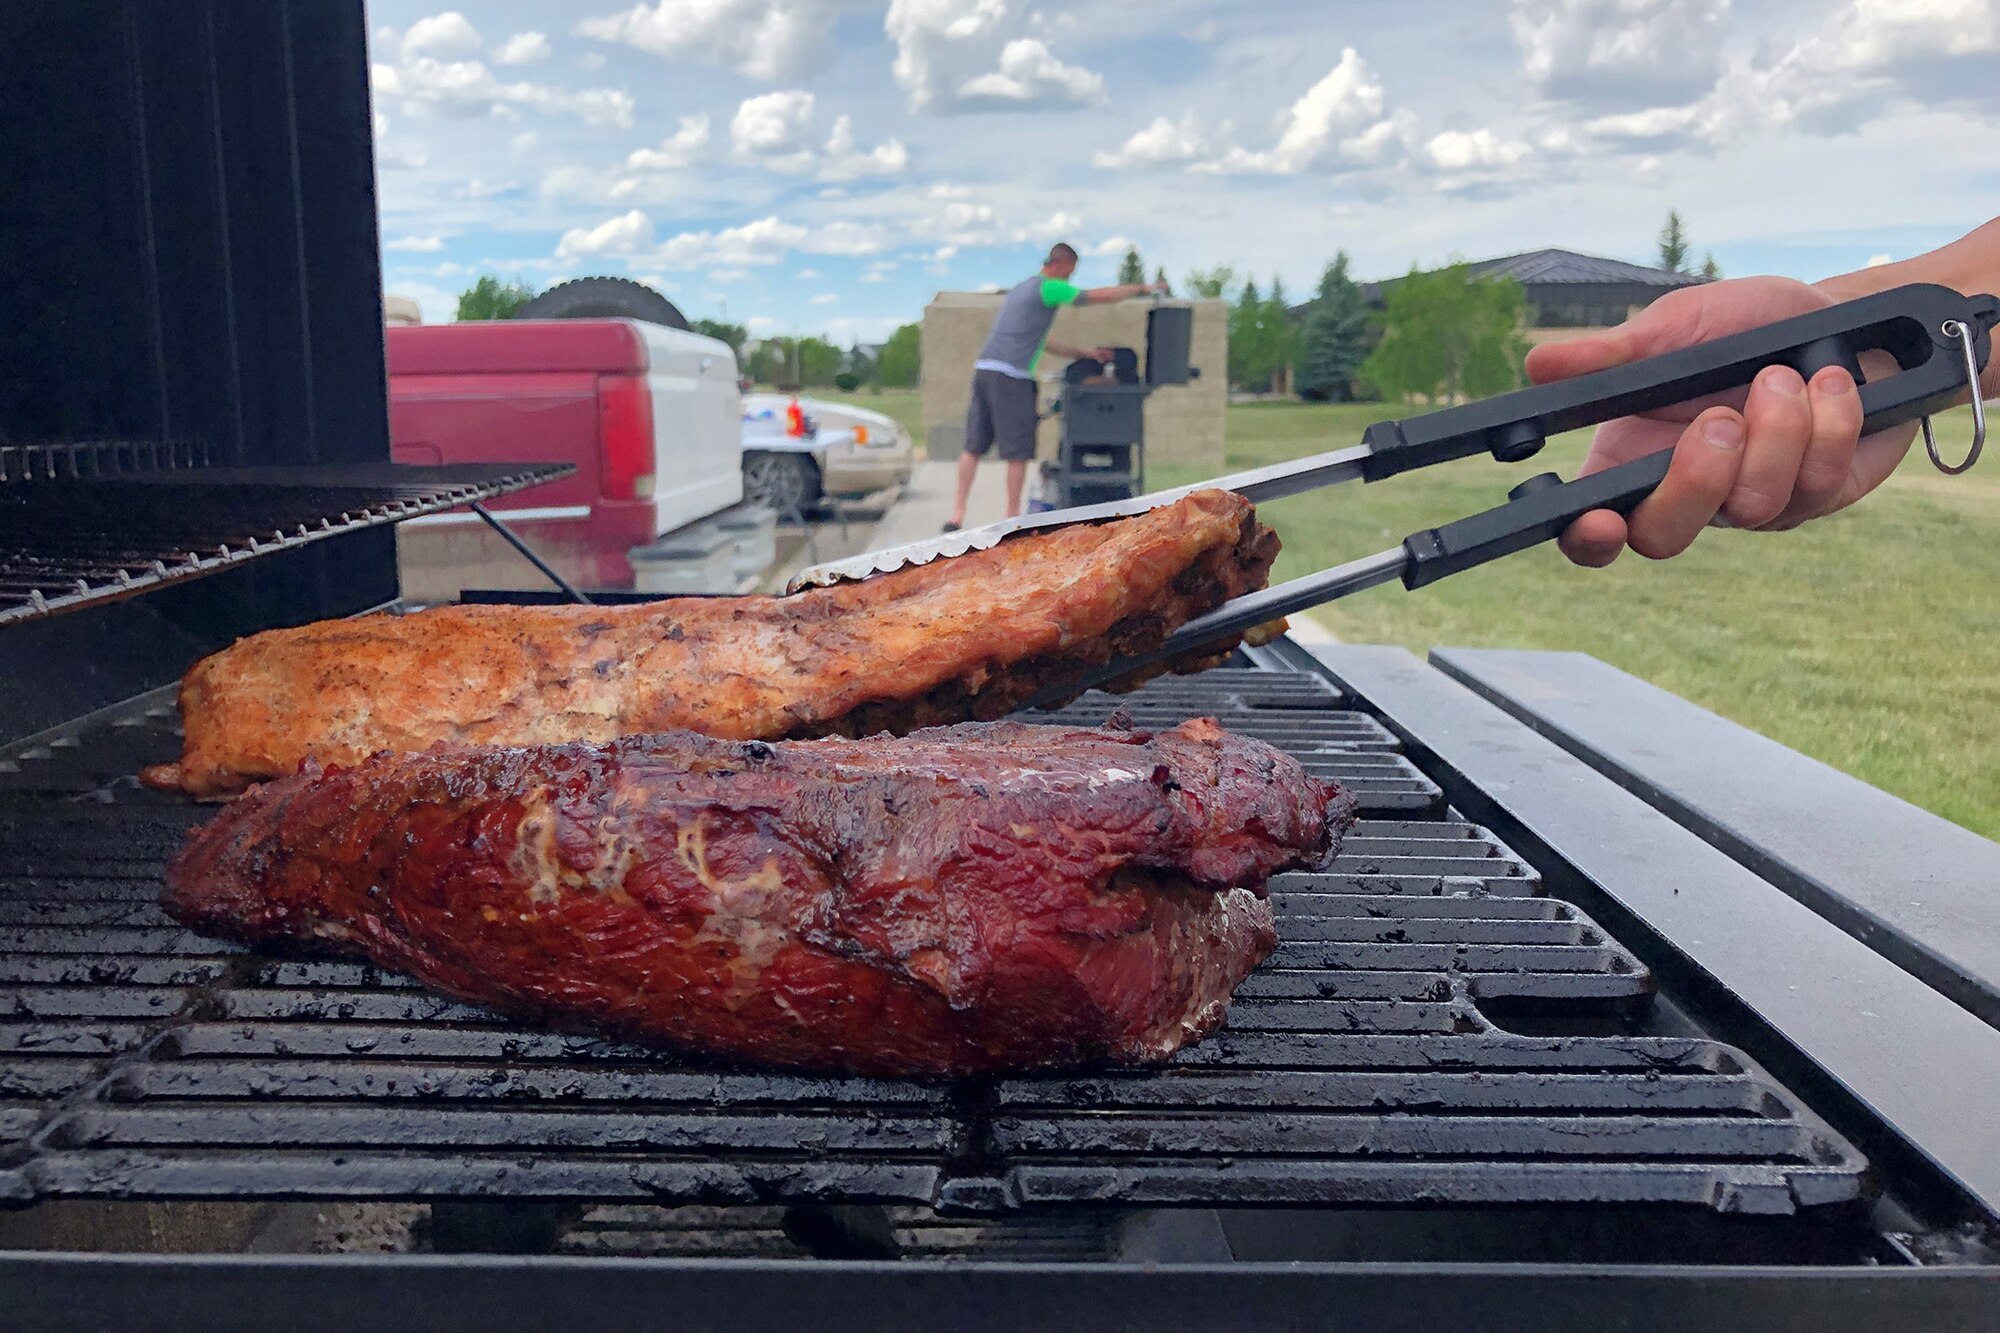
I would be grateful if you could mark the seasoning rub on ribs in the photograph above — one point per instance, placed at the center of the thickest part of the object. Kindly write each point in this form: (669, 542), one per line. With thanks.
(958, 639)
(974, 898)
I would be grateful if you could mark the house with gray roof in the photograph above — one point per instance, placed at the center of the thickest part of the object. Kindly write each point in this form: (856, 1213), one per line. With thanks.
(1567, 291)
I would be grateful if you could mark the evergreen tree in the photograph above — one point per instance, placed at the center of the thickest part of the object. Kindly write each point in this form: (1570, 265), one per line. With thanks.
(1674, 243)
(1246, 359)
(1132, 268)
(1160, 276)
(1279, 331)
(1710, 270)
(1335, 340)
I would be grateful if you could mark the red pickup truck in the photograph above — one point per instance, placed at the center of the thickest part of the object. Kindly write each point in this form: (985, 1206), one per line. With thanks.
(650, 415)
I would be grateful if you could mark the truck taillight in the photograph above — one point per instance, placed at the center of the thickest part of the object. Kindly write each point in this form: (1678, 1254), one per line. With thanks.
(625, 435)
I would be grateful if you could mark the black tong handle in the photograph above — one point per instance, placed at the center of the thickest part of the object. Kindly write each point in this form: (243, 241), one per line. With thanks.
(1542, 507)
(1906, 322)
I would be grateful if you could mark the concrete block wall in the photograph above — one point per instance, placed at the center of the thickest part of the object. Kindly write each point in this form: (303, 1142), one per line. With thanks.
(1184, 423)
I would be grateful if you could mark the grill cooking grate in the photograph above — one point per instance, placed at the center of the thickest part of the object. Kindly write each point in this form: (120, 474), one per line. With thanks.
(1413, 1040)
(67, 532)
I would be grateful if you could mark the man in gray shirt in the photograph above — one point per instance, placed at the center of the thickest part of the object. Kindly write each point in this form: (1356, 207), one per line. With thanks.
(1003, 406)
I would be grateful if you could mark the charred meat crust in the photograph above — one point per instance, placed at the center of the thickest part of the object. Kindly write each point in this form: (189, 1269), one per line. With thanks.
(964, 900)
(1215, 577)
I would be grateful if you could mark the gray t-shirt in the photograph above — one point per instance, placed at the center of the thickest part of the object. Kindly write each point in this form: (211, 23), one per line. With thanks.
(1022, 326)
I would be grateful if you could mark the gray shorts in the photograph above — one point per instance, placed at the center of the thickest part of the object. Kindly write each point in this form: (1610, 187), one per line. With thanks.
(1002, 412)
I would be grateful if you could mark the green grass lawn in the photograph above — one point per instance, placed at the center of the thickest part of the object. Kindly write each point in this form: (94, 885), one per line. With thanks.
(905, 405)
(1867, 640)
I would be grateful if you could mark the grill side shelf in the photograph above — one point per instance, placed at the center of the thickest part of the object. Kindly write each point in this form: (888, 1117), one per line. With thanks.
(1370, 1060)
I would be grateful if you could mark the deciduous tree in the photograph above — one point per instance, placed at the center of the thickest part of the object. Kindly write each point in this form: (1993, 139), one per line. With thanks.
(901, 363)
(1450, 335)
(490, 298)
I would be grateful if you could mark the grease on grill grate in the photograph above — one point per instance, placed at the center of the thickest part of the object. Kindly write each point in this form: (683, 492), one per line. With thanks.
(1413, 1040)
(72, 533)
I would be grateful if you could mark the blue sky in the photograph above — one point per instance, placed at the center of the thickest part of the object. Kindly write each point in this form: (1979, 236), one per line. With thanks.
(823, 166)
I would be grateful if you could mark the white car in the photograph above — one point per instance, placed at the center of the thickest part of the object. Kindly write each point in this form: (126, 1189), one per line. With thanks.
(846, 451)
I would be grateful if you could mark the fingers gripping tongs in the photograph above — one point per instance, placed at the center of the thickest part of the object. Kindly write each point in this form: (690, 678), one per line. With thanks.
(1939, 339)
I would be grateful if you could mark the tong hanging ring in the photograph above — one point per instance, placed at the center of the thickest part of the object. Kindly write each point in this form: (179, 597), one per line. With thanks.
(1953, 328)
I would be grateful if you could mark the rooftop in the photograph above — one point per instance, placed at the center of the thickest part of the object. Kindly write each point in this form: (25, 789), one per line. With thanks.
(1553, 267)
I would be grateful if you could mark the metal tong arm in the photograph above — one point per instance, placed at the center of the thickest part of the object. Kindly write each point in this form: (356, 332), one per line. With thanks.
(1906, 322)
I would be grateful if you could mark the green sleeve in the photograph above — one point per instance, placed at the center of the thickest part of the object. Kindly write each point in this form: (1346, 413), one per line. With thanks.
(1056, 292)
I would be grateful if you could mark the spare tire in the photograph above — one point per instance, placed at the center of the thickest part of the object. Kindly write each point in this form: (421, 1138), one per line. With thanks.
(604, 298)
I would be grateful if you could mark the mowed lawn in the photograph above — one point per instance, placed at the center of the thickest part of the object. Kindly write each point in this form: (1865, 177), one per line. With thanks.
(1868, 640)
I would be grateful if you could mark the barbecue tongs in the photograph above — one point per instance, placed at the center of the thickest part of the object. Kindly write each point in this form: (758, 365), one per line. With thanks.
(1939, 339)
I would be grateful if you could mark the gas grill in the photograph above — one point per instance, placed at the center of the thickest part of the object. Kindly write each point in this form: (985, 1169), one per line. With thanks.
(1586, 1026)
(1448, 1058)
(1362, 1064)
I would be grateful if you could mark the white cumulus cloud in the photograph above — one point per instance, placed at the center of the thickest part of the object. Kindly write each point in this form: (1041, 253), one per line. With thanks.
(682, 148)
(396, 154)
(967, 55)
(771, 130)
(1030, 75)
(1162, 143)
(1338, 122)
(623, 235)
(416, 244)
(462, 89)
(523, 48)
(822, 298)
(770, 40)
(1466, 150)
(448, 34)
(776, 131)
(843, 161)
(1621, 54)
(765, 240)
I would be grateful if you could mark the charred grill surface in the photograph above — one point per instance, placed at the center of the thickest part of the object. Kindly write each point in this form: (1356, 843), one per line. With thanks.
(971, 637)
(1434, 1030)
(966, 900)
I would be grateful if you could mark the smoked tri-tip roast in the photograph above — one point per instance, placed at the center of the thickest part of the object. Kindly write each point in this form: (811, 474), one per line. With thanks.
(967, 899)
(954, 640)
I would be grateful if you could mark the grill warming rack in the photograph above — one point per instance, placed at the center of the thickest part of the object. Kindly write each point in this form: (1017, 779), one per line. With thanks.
(1415, 1039)
(92, 522)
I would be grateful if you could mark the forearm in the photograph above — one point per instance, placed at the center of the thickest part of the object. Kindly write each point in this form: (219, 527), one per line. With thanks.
(1124, 292)
(1068, 351)
(1970, 265)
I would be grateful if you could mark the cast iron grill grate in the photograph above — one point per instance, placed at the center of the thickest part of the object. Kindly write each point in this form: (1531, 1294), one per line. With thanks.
(71, 535)
(1378, 1057)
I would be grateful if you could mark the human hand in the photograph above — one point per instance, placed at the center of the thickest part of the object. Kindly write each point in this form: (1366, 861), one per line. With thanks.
(1104, 354)
(1769, 457)
(1161, 288)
